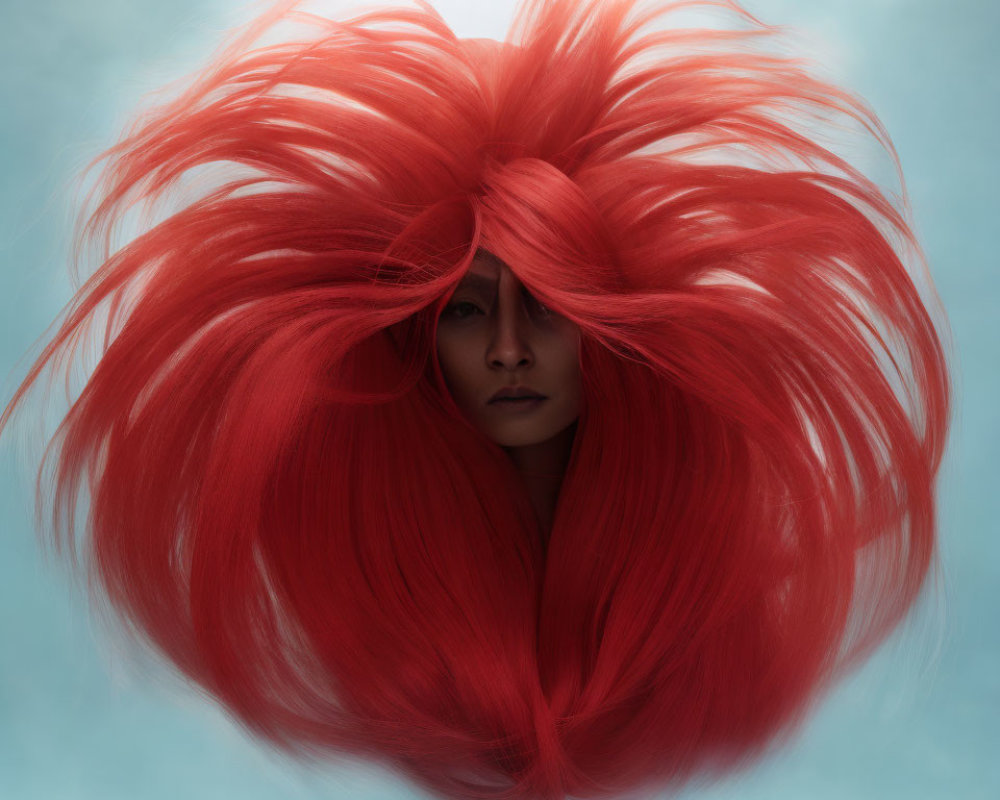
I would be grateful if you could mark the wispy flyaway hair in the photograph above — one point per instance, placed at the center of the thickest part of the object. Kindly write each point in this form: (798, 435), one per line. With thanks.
(283, 498)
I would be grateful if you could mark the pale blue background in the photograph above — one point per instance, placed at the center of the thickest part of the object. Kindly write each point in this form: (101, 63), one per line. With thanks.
(920, 722)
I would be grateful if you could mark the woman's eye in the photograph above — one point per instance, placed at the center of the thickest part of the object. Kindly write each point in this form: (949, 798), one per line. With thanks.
(462, 309)
(538, 306)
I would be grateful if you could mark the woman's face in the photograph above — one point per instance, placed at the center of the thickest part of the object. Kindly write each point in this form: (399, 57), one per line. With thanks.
(494, 336)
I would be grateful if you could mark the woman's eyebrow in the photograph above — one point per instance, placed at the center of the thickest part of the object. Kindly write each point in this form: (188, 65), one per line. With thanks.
(474, 281)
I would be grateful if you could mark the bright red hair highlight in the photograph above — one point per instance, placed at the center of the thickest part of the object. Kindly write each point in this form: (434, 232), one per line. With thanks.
(286, 502)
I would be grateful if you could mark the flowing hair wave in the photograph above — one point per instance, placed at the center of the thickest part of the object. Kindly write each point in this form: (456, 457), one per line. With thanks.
(286, 502)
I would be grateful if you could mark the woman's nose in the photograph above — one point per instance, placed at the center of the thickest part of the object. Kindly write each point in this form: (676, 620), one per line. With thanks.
(509, 347)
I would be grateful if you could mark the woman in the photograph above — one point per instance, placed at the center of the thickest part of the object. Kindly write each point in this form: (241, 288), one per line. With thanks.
(513, 368)
(309, 487)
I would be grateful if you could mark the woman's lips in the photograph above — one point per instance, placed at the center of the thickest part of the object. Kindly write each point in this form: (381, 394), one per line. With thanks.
(519, 392)
(517, 404)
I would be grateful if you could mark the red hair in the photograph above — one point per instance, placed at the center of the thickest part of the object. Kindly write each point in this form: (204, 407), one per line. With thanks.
(286, 502)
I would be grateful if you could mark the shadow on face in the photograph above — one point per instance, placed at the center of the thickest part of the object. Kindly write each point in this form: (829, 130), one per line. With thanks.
(493, 335)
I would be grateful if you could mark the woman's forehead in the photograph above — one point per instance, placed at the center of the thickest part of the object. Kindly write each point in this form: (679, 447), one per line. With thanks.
(485, 265)
(487, 271)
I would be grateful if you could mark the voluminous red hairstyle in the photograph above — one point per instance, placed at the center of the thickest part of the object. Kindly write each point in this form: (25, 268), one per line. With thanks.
(285, 501)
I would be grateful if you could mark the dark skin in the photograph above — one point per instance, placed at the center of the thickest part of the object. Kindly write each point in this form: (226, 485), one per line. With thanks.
(493, 335)
(542, 467)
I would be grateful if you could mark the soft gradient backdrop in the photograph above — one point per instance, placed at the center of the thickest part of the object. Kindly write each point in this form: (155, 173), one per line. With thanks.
(77, 720)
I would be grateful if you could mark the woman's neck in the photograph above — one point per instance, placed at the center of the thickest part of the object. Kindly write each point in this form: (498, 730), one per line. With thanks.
(542, 467)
